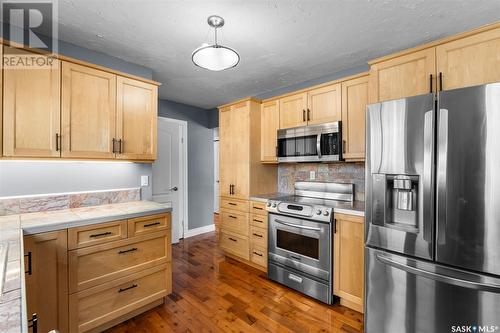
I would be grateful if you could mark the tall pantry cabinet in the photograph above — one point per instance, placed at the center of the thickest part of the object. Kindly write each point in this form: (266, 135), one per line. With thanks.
(241, 174)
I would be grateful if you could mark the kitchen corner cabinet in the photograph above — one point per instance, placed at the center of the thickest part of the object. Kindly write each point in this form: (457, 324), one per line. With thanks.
(348, 267)
(136, 114)
(46, 279)
(354, 101)
(31, 109)
(269, 125)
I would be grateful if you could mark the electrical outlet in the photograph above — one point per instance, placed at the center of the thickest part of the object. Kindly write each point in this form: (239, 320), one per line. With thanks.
(144, 180)
(312, 175)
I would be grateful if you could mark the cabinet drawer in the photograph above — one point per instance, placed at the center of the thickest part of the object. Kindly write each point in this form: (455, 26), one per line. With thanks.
(258, 236)
(233, 204)
(258, 256)
(257, 207)
(96, 234)
(148, 224)
(235, 222)
(234, 244)
(94, 265)
(259, 221)
(96, 306)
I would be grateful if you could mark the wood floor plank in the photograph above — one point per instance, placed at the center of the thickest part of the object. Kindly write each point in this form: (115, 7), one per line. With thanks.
(212, 293)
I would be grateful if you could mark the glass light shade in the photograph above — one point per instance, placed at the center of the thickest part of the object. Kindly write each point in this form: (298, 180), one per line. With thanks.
(215, 57)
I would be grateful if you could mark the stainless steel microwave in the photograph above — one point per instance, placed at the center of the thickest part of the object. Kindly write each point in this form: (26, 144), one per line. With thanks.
(317, 143)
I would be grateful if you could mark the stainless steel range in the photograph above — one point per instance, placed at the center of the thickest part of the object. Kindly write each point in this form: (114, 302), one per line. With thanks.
(300, 237)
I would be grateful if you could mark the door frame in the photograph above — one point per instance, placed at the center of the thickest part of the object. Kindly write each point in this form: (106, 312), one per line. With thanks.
(183, 165)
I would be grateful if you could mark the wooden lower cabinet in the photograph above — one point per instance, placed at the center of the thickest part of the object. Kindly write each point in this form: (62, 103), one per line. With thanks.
(46, 279)
(348, 261)
(234, 244)
(106, 275)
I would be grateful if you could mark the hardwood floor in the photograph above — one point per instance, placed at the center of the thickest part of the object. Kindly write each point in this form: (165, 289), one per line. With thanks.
(215, 294)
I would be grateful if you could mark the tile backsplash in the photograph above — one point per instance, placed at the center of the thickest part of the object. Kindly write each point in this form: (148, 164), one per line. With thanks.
(39, 203)
(353, 173)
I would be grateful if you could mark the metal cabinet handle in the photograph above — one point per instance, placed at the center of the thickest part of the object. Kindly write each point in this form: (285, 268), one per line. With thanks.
(308, 114)
(128, 288)
(113, 143)
(57, 142)
(344, 143)
(101, 234)
(127, 251)
(121, 143)
(303, 115)
(334, 226)
(151, 224)
(256, 253)
(440, 81)
(29, 271)
(33, 323)
(257, 235)
(430, 83)
(232, 239)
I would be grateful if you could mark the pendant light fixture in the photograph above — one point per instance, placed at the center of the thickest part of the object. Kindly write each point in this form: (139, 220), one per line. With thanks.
(215, 57)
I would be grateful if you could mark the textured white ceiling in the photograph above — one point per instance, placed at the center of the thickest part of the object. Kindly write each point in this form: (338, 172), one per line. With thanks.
(281, 42)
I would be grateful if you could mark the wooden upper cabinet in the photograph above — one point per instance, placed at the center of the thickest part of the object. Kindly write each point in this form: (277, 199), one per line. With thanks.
(226, 177)
(136, 117)
(31, 107)
(47, 279)
(470, 61)
(293, 111)
(269, 125)
(354, 101)
(324, 105)
(88, 112)
(404, 76)
(348, 275)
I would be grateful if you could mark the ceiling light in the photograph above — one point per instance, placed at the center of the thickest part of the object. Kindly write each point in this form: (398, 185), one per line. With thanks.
(215, 57)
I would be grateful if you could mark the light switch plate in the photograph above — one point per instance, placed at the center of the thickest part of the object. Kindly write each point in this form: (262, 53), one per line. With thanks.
(144, 180)
(312, 175)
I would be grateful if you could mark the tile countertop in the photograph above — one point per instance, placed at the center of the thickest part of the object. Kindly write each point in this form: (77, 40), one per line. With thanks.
(351, 208)
(12, 228)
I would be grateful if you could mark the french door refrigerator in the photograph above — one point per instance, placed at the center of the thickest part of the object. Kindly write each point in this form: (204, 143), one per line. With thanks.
(432, 256)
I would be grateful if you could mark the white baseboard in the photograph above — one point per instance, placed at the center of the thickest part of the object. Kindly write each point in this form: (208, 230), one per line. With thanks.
(199, 231)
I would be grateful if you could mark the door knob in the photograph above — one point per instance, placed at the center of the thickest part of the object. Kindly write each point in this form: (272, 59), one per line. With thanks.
(174, 189)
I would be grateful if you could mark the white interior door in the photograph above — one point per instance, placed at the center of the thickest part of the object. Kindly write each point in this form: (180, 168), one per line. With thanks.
(216, 170)
(169, 172)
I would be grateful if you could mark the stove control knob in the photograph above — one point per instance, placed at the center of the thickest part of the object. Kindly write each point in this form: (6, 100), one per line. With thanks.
(274, 204)
(268, 204)
(326, 213)
(318, 212)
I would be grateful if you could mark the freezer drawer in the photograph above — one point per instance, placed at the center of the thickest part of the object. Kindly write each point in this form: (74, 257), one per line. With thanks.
(412, 296)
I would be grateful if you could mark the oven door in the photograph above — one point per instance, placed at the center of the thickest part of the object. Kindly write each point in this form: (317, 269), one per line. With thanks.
(300, 244)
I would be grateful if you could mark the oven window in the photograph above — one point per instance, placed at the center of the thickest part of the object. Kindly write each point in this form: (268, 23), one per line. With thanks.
(304, 245)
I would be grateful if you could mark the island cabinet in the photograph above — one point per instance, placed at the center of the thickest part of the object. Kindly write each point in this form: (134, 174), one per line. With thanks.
(348, 260)
(89, 278)
(241, 174)
(458, 61)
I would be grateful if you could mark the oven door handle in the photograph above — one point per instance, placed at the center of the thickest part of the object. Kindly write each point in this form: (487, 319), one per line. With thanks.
(318, 145)
(297, 225)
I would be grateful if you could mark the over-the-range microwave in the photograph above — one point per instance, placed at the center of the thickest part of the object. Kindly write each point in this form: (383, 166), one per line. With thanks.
(316, 143)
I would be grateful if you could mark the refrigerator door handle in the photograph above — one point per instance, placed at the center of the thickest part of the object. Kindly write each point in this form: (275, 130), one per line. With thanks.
(453, 280)
(428, 175)
(442, 168)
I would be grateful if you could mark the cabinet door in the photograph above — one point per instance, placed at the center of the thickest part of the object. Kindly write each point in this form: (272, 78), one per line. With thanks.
(137, 112)
(31, 107)
(240, 129)
(470, 61)
(269, 124)
(348, 279)
(404, 76)
(354, 100)
(293, 111)
(225, 152)
(47, 279)
(88, 112)
(324, 105)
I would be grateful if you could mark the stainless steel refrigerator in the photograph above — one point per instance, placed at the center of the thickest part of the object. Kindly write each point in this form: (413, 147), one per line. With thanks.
(432, 257)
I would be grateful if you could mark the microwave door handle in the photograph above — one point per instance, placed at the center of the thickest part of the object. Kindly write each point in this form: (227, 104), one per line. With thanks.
(293, 225)
(318, 145)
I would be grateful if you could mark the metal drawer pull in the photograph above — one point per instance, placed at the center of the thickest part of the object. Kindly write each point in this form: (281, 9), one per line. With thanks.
(232, 204)
(29, 271)
(101, 234)
(125, 289)
(233, 217)
(259, 208)
(151, 224)
(33, 323)
(260, 221)
(295, 278)
(232, 239)
(257, 235)
(256, 253)
(297, 225)
(129, 250)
